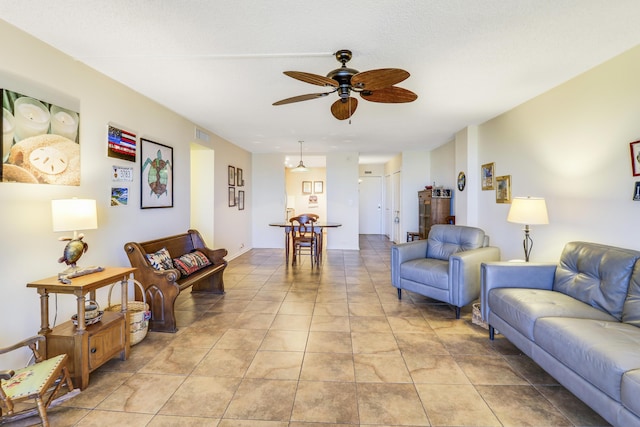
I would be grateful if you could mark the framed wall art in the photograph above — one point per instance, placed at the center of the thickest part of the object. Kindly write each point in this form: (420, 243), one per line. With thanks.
(487, 173)
(232, 196)
(40, 142)
(503, 189)
(156, 175)
(318, 187)
(635, 157)
(241, 200)
(239, 178)
(232, 175)
(306, 187)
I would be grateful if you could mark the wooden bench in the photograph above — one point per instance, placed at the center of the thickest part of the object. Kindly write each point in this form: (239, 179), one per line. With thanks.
(163, 286)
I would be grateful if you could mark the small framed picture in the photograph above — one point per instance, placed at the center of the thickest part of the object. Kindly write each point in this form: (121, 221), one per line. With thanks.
(636, 192)
(156, 170)
(503, 189)
(241, 200)
(306, 187)
(635, 157)
(318, 187)
(486, 176)
(232, 196)
(239, 178)
(232, 175)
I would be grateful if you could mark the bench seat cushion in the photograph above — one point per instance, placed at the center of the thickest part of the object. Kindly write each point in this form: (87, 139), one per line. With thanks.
(600, 352)
(191, 262)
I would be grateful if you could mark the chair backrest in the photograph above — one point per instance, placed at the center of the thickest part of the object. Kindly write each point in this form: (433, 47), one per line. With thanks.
(444, 240)
(315, 217)
(302, 226)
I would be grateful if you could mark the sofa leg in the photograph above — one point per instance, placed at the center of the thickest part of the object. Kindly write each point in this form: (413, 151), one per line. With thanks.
(399, 293)
(457, 312)
(492, 333)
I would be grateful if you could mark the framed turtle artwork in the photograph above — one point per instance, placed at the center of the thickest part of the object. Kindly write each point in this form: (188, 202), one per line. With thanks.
(156, 175)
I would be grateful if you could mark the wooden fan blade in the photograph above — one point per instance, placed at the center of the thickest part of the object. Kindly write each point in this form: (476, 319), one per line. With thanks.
(301, 98)
(314, 79)
(391, 95)
(378, 79)
(344, 110)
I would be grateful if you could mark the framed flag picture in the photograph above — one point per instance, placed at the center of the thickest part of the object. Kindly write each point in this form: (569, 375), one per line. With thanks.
(122, 144)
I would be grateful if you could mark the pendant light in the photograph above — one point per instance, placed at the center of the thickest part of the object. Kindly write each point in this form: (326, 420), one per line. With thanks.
(301, 167)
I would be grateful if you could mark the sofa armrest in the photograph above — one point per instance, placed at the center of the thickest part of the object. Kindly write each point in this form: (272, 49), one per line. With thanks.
(403, 252)
(513, 275)
(464, 273)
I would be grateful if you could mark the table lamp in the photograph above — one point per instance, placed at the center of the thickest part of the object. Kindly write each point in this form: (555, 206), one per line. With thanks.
(73, 215)
(528, 211)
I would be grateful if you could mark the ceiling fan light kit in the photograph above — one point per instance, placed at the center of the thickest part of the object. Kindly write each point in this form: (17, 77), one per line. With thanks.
(373, 85)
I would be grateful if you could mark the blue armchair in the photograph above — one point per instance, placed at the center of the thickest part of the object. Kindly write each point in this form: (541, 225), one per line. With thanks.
(445, 267)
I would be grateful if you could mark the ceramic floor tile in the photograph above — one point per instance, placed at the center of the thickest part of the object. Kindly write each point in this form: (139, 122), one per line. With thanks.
(176, 360)
(240, 339)
(331, 309)
(386, 368)
(487, 370)
(276, 365)
(409, 324)
(258, 399)
(572, 407)
(365, 309)
(430, 369)
(455, 405)
(178, 421)
(420, 343)
(521, 405)
(291, 322)
(328, 367)
(98, 418)
(285, 340)
(143, 393)
(329, 342)
(253, 320)
(392, 404)
(330, 323)
(225, 363)
(303, 308)
(373, 342)
(326, 402)
(370, 324)
(216, 392)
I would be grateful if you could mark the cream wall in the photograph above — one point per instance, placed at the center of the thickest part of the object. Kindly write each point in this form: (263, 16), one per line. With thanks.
(30, 249)
(571, 146)
(301, 201)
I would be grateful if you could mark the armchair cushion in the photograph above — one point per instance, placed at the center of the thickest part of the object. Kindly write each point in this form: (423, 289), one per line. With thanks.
(427, 270)
(446, 240)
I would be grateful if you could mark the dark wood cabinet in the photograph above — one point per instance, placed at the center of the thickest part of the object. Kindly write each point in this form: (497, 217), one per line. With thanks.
(431, 210)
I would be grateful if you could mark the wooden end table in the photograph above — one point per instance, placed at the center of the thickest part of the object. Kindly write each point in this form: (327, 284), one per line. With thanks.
(90, 346)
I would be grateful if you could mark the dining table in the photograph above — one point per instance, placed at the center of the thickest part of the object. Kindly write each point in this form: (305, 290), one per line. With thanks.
(318, 227)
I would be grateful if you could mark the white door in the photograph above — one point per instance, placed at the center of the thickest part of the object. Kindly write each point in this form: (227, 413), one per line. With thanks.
(395, 208)
(370, 205)
(388, 218)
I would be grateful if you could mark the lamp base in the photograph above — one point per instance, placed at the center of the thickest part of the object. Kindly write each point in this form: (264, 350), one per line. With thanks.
(76, 271)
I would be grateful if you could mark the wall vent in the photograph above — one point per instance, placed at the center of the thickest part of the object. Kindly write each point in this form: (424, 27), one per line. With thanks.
(202, 135)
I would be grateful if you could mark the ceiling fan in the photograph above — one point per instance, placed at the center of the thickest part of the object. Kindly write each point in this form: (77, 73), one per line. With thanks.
(373, 85)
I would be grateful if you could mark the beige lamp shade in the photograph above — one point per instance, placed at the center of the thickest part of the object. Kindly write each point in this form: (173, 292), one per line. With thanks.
(528, 210)
(74, 214)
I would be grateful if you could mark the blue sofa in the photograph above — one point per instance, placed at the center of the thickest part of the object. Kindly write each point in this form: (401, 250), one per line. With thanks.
(578, 319)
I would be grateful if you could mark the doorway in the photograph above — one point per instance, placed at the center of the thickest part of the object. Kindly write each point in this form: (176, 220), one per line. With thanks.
(202, 190)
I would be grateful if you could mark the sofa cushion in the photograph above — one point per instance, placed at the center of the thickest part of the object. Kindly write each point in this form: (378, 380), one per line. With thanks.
(433, 272)
(191, 262)
(600, 352)
(631, 310)
(445, 240)
(521, 307)
(631, 391)
(160, 260)
(597, 275)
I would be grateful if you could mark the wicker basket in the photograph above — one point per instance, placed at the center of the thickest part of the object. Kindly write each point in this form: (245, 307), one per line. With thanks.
(476, 316)
(139, 314)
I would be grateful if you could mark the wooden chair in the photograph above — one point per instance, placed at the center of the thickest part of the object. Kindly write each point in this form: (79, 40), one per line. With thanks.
(304, 237)
(42, 381)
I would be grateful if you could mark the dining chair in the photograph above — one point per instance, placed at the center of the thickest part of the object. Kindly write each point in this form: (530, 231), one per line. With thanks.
(304, 237)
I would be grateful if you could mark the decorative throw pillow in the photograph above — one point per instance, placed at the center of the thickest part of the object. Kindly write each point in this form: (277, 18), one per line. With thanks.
(160, 260)
(191, 262)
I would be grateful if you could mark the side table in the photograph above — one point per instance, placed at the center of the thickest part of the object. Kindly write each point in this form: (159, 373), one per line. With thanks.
(90, 346)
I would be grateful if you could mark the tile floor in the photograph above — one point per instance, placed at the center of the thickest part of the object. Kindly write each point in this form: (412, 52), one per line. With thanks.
(328, 346)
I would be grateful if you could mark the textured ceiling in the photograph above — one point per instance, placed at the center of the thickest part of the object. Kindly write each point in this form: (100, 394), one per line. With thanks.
(219, 62)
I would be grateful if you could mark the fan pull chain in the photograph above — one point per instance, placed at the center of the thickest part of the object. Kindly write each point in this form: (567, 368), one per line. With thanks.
(349, 110)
